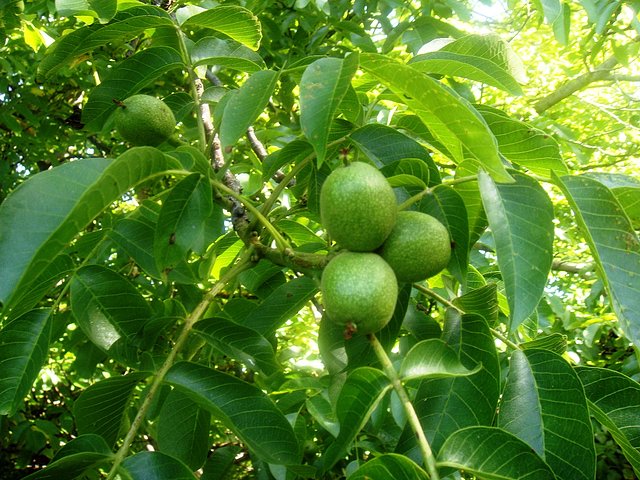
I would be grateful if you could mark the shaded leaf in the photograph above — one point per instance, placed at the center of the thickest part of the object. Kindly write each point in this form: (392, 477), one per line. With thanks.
(242, 407)
(543, 404)
(226, 53)
(390, 465)
(614, 400)
(292, 153)
(100, 409)
(521, 219)
(103, 9)
(245, 105)
(236, 22)
(239, 342)
(451, 120)
(24, 348)
(433, 359)
(183, 430)
(323, 85)
(470, 194)
(220, 462)
(156, 466)
(627, 191)
(614, 245)
(482, 301)
(554, 342)
(125, 79)
(360, 394)
(492, 454)
(48, 210)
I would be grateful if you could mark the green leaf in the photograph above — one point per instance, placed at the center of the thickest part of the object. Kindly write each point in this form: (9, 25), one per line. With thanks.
(125, 79)
(521, 219)
(236, 22)
(614, 245)
(226, 53)
(46, 212)
(24, 348)
(221, 462)
(627, 191)
(555, 342)
(544, 405)
(406, 180)
(482, 301)
(103, 9)
(483, 58)
(292, 153)
(492, 454)
(360, 394)
(245, 105)
(181, 226)
(183, 430)
(523, 144)
(387, 466)
(239, 342)
(470, 194)
(155, 466)
(385, 146)
(242, 407)
(445, 204)
(443, 404)
(323, 85)
(84, 453)
(451, 120)
(562, 25)
(282, 304)
(126, 25)
(101, 408)
(614, 400)
(107, 306)
(433, 359)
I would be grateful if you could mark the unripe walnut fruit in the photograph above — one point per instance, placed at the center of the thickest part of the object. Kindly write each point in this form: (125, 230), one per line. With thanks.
(144, 120)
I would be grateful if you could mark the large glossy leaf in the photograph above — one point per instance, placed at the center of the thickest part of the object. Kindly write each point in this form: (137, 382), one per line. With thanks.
(85, 452)
(360, 394)
(100, 409)
(24, 347)
(242, 407)
(239, 342)
(245, 105)
(236, 22)
(47, 211)
(447, 205)
(183, 430)
(226, 53)
(614, 245)
(523, 144)
(125, 25)
(155, 466)
(107, 306)
(470, 194)
(483, 58)
(493, 454)
(544, 405)
(125, 79)
(103, 9)
(443, 405)
(483, 301)
(390, 465)
(614, 400)
(433, 359)
(521, 219)
(627, 191)
(182, 226)
(323, 85)
(451, 120)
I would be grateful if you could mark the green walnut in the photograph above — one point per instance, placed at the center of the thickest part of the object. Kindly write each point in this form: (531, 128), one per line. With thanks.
(144, 120)
(417, 248)
(358, 207)
(359, 291)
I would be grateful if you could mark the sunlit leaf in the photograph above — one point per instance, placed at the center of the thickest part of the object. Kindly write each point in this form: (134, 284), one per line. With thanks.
(226, 53)
(492, 454)
(390, 465)
(24, 347)
(103, 9)
(236, 22)
(544, 405)
(433, 359)
(482, 301)
(521, 219)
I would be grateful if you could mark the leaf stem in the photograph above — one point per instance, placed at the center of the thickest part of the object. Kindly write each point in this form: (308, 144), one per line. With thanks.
(243, 263)
(412, 416)
(418, 196)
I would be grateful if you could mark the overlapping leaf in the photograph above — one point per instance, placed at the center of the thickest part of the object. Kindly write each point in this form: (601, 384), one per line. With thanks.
(103, 9)
(236, 22)
(390, 465)
(322, 87)
(126, 79)
(226, 53)
(451, 120)
(242, 407)
(156, 466)
(614, 400)
(544, 405)
(433, 359)
(24, 347)
(614, 245)
(521, 218)
(47, 211)
(493, 454)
